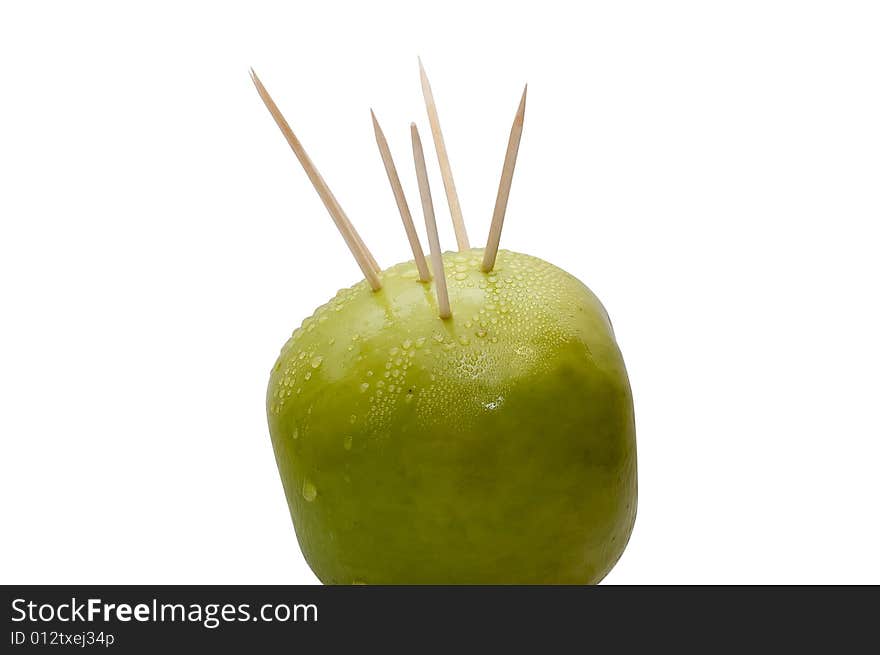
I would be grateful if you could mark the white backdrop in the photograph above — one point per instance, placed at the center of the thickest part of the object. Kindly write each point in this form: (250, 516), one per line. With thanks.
(710, 170)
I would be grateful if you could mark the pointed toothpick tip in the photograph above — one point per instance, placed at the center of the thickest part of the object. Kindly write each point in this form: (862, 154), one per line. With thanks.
(521, 108)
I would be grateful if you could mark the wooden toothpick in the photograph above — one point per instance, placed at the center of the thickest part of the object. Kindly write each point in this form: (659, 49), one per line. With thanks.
(430, 224)
(443, 158)
(504, 186)
(361, 253)
(400, 198)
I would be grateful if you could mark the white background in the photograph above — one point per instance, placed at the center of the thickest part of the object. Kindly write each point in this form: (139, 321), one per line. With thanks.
(710, 170)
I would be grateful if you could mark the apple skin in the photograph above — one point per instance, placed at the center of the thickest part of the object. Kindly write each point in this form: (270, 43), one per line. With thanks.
(495, 447)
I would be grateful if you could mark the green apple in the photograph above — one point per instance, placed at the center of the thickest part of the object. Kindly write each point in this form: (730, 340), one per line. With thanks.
(495, 447)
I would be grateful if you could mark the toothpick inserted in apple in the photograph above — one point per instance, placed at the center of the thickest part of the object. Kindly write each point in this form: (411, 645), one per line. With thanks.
(360, 251)
(430, 224)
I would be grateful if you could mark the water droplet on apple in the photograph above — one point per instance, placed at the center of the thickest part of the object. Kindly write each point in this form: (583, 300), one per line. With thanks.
(309, 491)
(316, 361)
(494, 404)
(346, 442)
